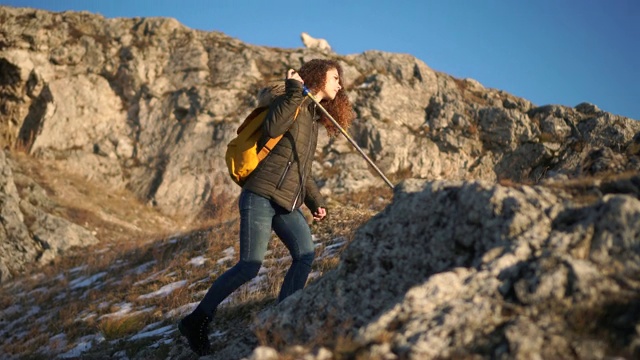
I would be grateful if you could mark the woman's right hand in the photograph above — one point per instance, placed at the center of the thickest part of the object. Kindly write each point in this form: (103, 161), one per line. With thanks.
(292, 74)
(320, 214)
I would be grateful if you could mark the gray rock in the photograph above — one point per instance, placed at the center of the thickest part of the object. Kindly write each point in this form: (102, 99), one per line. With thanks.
(17, 248)
(30, 232)
(454, 269)
(149, 105)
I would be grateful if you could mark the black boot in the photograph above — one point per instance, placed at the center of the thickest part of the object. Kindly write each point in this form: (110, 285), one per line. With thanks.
(195, 327)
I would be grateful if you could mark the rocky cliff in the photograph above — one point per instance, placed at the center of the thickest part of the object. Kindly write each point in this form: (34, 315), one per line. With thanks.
(457, 265)
(148, 105)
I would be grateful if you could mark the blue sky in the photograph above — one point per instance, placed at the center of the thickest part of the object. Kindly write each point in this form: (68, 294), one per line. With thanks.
(547, 51)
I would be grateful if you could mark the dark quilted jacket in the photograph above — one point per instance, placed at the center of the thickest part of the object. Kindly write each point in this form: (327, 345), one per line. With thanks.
(284, 175)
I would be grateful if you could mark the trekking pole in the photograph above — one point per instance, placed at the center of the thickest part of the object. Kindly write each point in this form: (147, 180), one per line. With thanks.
(335, 123)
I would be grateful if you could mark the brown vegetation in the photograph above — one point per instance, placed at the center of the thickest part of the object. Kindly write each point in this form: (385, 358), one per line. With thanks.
(140, 251)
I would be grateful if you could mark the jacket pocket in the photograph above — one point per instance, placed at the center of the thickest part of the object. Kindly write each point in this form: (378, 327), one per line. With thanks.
(284, 174)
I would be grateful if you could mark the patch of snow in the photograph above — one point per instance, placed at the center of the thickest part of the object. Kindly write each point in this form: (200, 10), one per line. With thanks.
(103, 305)
(181, 311)
(32, 311)
(218, 333)
(56, 343)
(253, 286)
(151, 277)
(87, 316)
(83, 281)
(84, 344)
(5, 329)
(43, 319)
(142, 268)
(336, 245)
(13, 309)
(205, 280)
(77, 269)
(225, 259)
(157, 332)
(151, 326)
(331, 250)
(229, 255)
(37, 277)
(36, 291)
(12, 284)
(200, 294)
(123, 309)
(165, 290)
(102, 251)
(126, 311)
(118, 264)
(20, 335)
(198, 261)
(228, 300)
(121, 355)
(161, 342)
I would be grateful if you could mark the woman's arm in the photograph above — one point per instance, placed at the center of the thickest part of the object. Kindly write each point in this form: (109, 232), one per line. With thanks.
(313, 199)
(282, 110)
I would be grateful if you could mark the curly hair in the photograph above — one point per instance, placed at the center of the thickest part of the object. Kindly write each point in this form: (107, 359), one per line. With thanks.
(314, 74)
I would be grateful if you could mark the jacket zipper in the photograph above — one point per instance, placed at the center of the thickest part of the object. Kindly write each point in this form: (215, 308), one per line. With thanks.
(304, 167)
(286, 169)
(284, 174)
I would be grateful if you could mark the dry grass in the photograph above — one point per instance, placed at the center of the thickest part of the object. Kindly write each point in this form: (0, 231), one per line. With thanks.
(336, 335)
(472, 129)
(155, 251)
(139, 252)
(470, 96)
(116, 328)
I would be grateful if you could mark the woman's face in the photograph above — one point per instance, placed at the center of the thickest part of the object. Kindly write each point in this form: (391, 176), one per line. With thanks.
(331, 87)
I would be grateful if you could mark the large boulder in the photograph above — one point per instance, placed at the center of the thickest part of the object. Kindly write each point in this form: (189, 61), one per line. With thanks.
(30, 231)
(457, 269)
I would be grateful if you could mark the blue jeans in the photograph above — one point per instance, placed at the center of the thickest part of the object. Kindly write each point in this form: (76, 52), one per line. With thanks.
(258, 216)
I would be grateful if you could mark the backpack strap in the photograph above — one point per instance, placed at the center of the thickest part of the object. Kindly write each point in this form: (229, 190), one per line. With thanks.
(272, 142)
(255, 113)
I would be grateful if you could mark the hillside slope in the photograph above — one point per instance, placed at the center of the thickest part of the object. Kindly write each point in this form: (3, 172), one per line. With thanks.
(512, 233)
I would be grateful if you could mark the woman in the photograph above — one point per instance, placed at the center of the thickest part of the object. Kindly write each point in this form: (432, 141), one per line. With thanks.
(272, 195)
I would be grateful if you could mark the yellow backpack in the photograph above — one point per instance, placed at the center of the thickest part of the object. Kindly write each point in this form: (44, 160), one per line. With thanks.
(242, 154)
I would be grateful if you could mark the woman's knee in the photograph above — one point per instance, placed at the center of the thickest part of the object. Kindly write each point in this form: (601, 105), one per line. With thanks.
(248, 269)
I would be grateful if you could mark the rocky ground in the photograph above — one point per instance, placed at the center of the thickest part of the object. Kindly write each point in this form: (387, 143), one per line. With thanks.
(121, 297)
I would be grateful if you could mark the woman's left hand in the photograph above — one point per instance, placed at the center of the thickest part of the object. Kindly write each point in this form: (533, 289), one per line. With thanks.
(320, 214)
(292, 74)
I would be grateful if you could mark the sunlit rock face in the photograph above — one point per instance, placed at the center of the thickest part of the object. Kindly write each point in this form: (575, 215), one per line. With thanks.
(149, 105)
